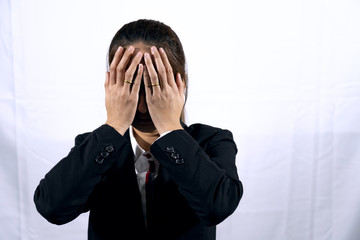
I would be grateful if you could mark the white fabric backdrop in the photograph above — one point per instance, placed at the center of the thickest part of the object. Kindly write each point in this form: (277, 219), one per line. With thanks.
(283, 76)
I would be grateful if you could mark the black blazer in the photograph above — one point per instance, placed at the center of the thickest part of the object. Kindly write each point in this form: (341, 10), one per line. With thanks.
(197, 185)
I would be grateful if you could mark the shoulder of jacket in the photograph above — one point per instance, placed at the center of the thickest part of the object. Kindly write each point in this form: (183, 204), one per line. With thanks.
(81, 137)
(203, 132)
(205, 128)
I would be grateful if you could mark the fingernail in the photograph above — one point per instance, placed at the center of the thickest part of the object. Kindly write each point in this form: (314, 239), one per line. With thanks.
(162, 50)
(139, 54)
(119, 48)
(147, 55)
(131, 48)
(153, 48)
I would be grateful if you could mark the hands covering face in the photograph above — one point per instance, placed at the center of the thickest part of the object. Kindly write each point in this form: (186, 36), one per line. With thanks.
(164, 93)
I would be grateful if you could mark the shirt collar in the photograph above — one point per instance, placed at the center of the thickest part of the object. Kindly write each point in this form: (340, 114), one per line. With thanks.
(137, 150)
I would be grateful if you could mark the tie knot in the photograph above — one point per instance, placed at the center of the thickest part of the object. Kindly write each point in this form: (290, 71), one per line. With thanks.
(147, 155)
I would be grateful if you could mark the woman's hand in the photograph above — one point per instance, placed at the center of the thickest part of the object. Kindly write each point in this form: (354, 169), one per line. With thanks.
(120, 98)
(164, 95)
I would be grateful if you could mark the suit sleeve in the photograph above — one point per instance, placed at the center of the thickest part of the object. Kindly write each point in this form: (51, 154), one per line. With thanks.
(207, 177)
(64, 192)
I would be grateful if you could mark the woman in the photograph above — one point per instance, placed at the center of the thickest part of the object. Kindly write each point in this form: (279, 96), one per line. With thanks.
(145, 174)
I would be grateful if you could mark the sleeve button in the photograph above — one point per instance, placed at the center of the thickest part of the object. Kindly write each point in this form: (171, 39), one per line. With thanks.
(169, 149)
(104, 154)
(99, 159)
(175, 156)
(109, 148)
(179, 161)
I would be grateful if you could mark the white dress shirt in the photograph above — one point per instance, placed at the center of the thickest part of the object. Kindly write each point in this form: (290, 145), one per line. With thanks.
(141, 162)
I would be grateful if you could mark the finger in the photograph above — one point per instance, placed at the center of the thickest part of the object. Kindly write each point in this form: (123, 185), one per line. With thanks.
(154, 81)
(159, 67)
(118, 54)
(137, 82)
(121, 67)
(169, 70)
(180, 84)
(106, 84)
(147, 83)
(129, 74)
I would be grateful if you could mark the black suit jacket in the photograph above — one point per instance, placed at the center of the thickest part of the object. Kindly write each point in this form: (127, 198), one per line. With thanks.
(197, 185)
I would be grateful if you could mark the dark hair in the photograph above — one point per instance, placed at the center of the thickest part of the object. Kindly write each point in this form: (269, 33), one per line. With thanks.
(156, 34)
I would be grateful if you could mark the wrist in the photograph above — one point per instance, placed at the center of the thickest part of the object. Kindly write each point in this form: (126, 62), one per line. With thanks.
(169, 128)
(120, 128)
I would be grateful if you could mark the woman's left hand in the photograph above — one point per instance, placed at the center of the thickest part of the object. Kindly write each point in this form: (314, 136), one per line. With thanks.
(164, 94)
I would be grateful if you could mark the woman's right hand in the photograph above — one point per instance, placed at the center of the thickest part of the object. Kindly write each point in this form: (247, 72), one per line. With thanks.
(121, 99)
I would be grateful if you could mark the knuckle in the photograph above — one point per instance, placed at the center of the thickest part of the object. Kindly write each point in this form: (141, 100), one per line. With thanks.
(167, 95)
(136, 84)
(128, 76)
(151, 99)
(123, 97)
(119, 68)
(169, 71)
(153, 78)
(133, 98)
(161, 70)
(118, 91)
(112, 68)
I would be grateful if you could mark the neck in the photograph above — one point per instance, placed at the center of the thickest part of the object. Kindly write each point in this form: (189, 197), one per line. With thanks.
(145, 139)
